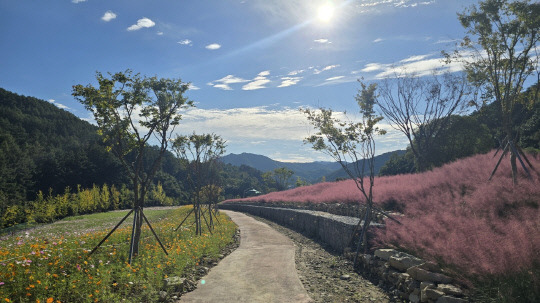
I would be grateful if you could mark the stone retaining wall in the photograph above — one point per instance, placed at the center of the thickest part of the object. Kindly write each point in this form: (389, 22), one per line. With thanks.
(333, 230)
(404, 275)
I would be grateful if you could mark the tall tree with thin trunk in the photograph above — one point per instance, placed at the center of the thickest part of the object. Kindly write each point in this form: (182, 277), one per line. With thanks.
(500, 53)
(130, 111)
(352, 145)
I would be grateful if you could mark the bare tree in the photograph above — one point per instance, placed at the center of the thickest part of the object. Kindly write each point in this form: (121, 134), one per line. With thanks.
(420, 107)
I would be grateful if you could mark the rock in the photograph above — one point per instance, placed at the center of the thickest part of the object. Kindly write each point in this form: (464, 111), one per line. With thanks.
(430, 266)
(385, 254)
(424, 285)
(450, 290)
(433, 294)
(448, 299)
(162, 296)
(175, 282)
(403, 277)
(203, 269)
(414, 298)
(420, 274)
(345, 277)
(403, 261)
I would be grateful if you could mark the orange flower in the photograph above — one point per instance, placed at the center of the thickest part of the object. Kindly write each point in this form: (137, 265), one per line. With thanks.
(50, 300)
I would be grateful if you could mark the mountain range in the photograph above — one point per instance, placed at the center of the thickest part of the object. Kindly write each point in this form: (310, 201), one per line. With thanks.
(311, 171)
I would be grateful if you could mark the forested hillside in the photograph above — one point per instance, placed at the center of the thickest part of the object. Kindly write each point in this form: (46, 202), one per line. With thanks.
(49, 150)
(42, 147)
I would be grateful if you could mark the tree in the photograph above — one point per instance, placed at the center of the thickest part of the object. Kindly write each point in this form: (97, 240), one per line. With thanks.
(420, 107)
(200, 153)
(500, 53)
(350, 142)
(129, 111)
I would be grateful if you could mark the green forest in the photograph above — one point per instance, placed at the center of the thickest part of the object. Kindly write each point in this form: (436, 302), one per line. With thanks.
(53, 164)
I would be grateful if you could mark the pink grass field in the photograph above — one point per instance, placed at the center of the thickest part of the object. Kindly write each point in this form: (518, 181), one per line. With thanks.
(451, 214)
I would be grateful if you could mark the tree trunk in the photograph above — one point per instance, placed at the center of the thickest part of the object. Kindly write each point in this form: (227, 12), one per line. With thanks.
(514, 167)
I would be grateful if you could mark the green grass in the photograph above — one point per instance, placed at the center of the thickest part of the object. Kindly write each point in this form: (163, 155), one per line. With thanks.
(50, 263)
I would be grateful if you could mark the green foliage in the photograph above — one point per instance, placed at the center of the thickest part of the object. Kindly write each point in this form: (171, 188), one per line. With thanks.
(238, 179)
(49, 208)
(462, 136)
(278, 179)
(399, 164)
(129, 110)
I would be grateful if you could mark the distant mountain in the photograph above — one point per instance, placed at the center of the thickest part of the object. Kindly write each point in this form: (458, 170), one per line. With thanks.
(312, 171)
(379, 160)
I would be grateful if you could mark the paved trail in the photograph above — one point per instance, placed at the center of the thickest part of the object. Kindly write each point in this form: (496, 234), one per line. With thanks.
(261, 269)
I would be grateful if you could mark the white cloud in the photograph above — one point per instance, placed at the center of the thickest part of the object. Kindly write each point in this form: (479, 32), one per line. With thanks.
(326, 68)
(335, 78)
(247, 124)
(446, 41)
(258, 82)
(213, 46)
(185, 42)
(77, 1)
(59, 105)
(415, 58)
(289, 81)
(141, 23)
(193, 87)
(224, 82)
(420, 65)
(392, 3)
(159, 33)
(322, 41)
(108, 16)
(372, 67)
(295, 72)
(378, 40)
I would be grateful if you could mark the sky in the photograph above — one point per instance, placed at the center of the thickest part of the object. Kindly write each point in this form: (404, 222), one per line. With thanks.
(252, 64)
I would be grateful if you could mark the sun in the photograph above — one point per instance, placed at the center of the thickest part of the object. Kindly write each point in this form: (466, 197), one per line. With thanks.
(325, 12)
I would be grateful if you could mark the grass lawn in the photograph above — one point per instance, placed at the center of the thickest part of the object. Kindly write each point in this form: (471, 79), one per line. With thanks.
(50, 263)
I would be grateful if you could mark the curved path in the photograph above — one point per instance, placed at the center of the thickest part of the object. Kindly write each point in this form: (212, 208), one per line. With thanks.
(261, 269)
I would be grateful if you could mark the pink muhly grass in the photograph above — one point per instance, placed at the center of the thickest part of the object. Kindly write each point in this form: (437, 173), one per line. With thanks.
(452, 214)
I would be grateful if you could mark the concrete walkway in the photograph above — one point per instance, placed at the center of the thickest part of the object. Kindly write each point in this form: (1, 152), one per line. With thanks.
(262, 269)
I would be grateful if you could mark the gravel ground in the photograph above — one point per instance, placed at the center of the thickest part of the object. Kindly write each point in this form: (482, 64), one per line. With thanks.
(326, 275)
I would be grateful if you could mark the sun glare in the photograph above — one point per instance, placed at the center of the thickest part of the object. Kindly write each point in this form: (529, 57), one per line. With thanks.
(325, 12)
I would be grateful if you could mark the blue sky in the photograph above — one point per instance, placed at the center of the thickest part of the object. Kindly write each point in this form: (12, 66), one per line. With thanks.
(252, 63)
